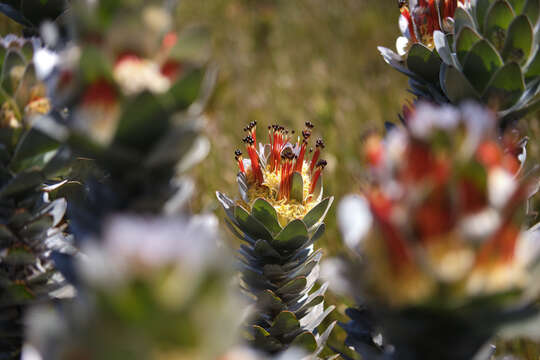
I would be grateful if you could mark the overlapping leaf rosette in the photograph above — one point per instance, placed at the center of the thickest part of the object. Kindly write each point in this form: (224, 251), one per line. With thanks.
(135, 88)
(156, 288)
(446, 259)
(484, 50)
(32, 222)
(279, 217)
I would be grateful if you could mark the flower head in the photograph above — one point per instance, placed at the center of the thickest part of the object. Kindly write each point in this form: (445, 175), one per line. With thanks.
(286, 172)
(419, 20)
(444, 202)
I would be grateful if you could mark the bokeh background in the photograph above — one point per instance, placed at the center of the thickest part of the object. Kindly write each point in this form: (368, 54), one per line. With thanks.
(291, 61)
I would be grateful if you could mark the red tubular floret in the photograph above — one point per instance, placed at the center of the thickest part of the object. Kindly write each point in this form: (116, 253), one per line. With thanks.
(407, 15)
(300, 160)
(314, 180)
(396, 245)
(257, 173)
(319, 145)
(238, 157)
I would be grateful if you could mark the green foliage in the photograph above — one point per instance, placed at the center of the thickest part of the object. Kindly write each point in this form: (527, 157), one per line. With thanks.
(488, 56)
(279, 270)
(32, 224)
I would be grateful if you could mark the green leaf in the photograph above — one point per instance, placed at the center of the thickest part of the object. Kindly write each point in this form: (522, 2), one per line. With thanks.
(251, 225)
(58, 164)
(480, 64)
(506, 87)
(262, 340)
(95, 65)
(33, 143)
(143, 121)
(498, 19)
(533, 68)
(305, 340)
(519, 40)
(184, 92)
(27, 84)
(13, 63)
(318, 233)
(253, 278)
(263, 211)
(318, 213)
(293, 236)
(19, 257)
(6, 235)
(517, 5)
(285, 323)
(264, 250)
(19, 218)
(424, 62)
(455, 86)
(466, 39)
(297, 187)
(21, 182)
(482, 7)
(38, 227)
(532, 10)
(3, 53)
(293, 287)
(268, 301)
(462, 19)
(17, 294)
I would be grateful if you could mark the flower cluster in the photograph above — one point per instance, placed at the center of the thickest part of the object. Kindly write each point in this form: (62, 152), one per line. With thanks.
(419, 19)
(442, 214)
(134, 53)
(162, 294)
(282, 171)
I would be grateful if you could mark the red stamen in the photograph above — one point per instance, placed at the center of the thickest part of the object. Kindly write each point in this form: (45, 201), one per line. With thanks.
(254, 136)
(450, 7)
(300, 160)
(171, 69)
(169, 40)
(396, 245)
(238, 157)
(433, 19)
(502, 245)
(489, 154)
(314, 159)
(288, 179)
(126, 56)
(257, 173)
(100, 92)
(315, 178)
(407, 15)
(319, 145)
(241, 165)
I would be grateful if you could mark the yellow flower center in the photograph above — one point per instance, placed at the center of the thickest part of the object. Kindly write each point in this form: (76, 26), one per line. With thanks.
(287, 209)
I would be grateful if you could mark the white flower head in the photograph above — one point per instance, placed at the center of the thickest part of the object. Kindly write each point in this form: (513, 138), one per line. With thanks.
(354, 219)
(501, 186)
(133, 243)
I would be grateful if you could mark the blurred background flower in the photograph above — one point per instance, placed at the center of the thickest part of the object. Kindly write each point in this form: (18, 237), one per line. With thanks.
(444, 239)
(155, 289)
